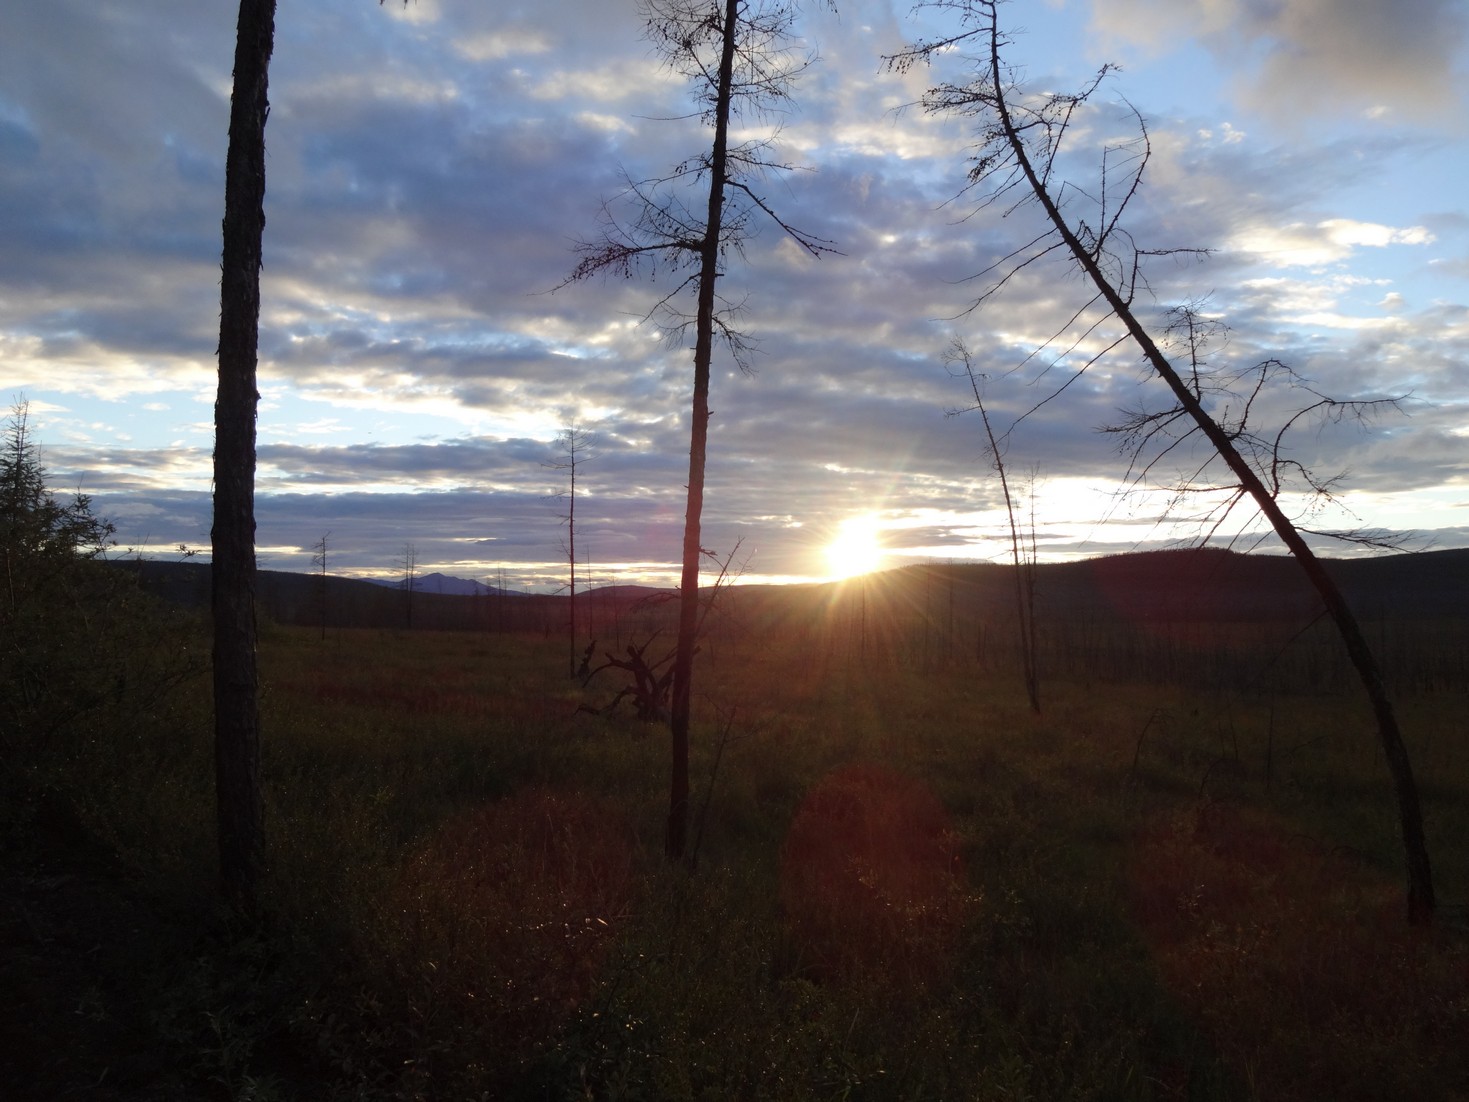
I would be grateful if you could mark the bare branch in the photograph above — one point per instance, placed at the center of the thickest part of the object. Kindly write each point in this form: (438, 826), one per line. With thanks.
(811, 243)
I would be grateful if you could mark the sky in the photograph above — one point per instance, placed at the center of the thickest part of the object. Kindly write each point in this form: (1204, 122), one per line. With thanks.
(432, 168)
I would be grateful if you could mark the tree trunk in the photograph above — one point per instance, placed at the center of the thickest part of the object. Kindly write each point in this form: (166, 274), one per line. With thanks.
(688, 610)
(236, 709)
(571, 564)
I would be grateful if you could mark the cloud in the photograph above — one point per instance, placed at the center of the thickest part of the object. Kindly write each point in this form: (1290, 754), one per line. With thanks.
(1327, 242)
(1302, 58)
(428, 177)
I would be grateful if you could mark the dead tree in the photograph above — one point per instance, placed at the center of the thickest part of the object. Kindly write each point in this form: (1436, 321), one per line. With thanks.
(232, 572)
(738, 54)
(1016, 162)
(572, 444)
(652, 679)
(319, 560)
(409, 584)
(1022, 553)
(650, 684)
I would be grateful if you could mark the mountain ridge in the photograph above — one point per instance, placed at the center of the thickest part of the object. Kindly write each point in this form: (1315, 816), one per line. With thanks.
(1203, 584)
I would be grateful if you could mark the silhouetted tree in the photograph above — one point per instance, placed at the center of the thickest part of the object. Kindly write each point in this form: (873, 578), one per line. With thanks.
(236, 679)
(571, 444)
(1021, 137)
(42, 542)
(409, 583)
(38, 533)
(739, 56)
(82, 649)
(1022, 554)
(652, 676)
(318, 560)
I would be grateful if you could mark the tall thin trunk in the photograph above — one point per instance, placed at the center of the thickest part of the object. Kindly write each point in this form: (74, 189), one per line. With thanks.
(1024, 572)
(236, 680)
(688, 611)
(571, 559)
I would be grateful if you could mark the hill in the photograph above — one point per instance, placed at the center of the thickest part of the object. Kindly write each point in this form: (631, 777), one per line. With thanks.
(1190, 586)
(444, 584)
(311, 599)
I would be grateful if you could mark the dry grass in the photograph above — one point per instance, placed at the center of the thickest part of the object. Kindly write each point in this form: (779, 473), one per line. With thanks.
(909, 887)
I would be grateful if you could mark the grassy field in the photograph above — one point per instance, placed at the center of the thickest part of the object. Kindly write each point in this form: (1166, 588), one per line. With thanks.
(908, 886)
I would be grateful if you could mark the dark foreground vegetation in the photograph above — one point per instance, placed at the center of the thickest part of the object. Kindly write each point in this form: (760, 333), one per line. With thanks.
(1181, 880)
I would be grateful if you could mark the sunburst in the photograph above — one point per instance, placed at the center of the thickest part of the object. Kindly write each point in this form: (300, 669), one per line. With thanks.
(856, 549)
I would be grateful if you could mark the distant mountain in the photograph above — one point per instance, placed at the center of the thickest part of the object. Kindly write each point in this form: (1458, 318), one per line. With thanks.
(467, 587)
(444, 584)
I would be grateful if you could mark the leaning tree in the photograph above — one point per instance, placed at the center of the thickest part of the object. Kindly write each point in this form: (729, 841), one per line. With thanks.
(742, 60)
(1017, 164)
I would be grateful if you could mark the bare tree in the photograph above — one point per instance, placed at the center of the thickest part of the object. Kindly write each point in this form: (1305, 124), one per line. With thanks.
(409, 563)
(572, 445)
(652, 674)
(1021, 138)
(232, 574)
(739, 56)
(318, 560)
(1022, 554)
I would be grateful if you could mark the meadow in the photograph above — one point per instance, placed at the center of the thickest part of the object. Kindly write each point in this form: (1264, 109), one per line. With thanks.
(1181, 880)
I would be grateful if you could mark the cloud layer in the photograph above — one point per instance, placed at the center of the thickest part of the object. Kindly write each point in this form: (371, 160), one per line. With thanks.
(432, 167)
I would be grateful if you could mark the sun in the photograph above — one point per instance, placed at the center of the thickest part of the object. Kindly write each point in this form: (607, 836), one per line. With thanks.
(857, 548)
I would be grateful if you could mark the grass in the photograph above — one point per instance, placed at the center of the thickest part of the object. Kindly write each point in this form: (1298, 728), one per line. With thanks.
(908, 887)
